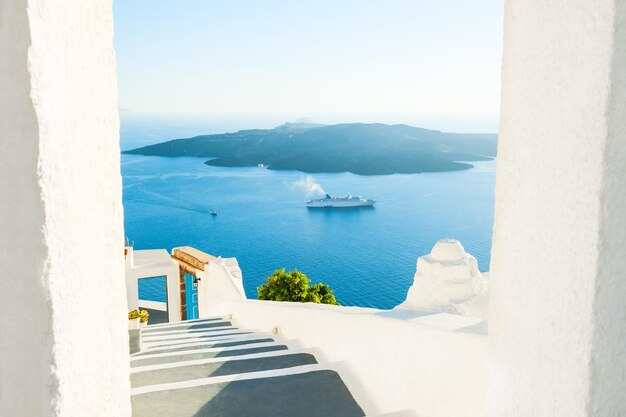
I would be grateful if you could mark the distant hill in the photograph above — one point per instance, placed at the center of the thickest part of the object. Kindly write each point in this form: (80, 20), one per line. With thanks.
(366, 149)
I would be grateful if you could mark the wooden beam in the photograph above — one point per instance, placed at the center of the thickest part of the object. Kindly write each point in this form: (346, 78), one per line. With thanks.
(188, 259)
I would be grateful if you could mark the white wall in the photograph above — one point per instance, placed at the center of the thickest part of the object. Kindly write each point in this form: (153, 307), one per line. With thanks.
(394, 360)
(63, 337)
(448, 280)
(220, 281)
(559, 247)
(399, 364)
(134, 272)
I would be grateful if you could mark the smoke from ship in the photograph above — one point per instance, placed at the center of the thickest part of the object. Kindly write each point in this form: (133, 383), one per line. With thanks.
(308, 186)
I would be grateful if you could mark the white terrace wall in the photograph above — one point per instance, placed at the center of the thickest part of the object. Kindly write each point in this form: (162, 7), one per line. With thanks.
(220, 281)
(396, 364)
(134, 273)
(434, 364)
(558, 310)
(63, 338)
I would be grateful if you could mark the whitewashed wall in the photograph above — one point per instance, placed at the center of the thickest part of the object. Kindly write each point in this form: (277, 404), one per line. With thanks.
(393, 364)
(220, 281)
(134, 272)
(63, 338)
(394, 360)
(558, 316)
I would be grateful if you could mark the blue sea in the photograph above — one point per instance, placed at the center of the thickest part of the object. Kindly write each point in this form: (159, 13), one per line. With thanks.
(367, 256)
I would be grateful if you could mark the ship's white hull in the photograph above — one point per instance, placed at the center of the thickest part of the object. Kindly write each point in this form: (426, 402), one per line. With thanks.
(340, 202)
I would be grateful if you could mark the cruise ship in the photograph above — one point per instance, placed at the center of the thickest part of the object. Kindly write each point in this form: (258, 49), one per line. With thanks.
(340, 202)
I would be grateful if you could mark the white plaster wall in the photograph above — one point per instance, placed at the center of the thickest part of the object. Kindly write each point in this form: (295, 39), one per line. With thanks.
(220, 281)
(448, 280)
(134, 272)
(24, 371)
(132, 284)
(557, 275)
(63, 338)
(394, 360)
(396, 363)
(608, 359)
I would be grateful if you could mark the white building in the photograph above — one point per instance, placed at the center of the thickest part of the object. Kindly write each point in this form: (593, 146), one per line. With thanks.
(557, 341)
(184, 276)
(152, 265)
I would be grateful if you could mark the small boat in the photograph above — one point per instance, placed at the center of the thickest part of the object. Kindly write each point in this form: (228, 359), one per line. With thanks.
(213, 212)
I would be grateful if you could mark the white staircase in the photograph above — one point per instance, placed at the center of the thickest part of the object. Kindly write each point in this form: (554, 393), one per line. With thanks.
(209, 368)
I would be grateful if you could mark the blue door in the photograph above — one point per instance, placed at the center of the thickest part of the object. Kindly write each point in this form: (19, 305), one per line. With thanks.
(191, 295)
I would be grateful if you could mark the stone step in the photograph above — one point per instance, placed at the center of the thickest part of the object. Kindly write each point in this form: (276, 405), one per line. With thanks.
(187, 322)
(246, 340)
(205, 354)
(317, 393)
(185, 327)
(224, 359)
(205, 334)
(162, 344)
(152, 338)
(168, 332)
(207, 370)
(200, 348)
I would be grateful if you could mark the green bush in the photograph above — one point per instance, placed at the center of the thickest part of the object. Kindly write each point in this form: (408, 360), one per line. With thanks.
(294, 286)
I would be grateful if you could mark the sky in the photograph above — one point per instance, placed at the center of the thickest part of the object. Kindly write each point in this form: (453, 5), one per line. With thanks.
(393, 61)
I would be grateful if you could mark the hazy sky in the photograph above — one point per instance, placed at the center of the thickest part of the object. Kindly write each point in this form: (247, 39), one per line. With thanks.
(397, 59)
